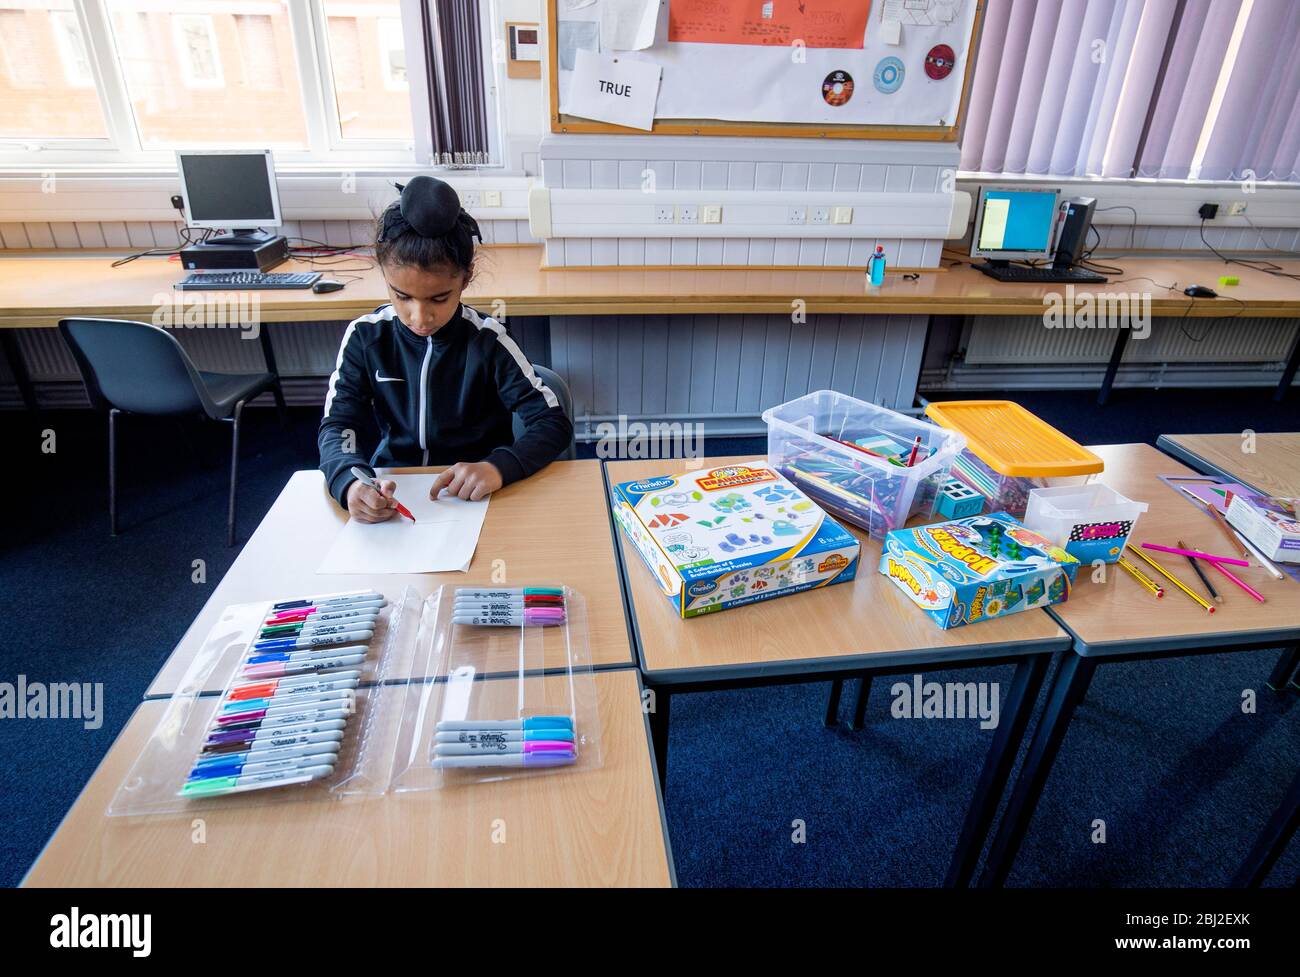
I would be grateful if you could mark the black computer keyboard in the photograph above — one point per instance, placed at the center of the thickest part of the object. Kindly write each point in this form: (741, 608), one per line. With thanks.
(233, 281)
(1021, 274)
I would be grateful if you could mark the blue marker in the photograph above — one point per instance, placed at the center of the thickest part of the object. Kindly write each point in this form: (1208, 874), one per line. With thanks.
(312, 641)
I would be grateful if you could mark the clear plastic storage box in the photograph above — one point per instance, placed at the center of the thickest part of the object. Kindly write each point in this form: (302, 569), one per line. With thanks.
(1090, 522)
(859, 461)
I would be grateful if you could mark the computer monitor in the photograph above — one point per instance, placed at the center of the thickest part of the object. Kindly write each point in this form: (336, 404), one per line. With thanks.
(229, 189)
(1013, 224)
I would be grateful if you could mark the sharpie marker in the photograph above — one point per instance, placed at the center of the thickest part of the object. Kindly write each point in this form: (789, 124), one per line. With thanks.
(285, 708)
(297, 657)
(481, 725)
(508, 592)
(322, 600)
(503, 735)
(506, 605)
(302, 630)
(369, 609)
(336, 612)
(505, 622)
(274, 739)
(291, 699)
(505, 760)
(311, 727)
(265, 756)
(277, 669)
(232, 785)
(365, 479)
(294, 686)
(286, 720)
(477, 749)
(312, 641)
(233, 768)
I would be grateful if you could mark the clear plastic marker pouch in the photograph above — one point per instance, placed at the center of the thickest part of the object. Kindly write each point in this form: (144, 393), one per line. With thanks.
(362, 763)
(501, 701)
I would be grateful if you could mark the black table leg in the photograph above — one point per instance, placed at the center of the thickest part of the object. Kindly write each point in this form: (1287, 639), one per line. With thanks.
(659, 733)
(1284, 669)
(268, 354)
(1272, 840)
(1016, 710)
(1288, 372)
(1116, 354)
(832, 717)
(860, 701)
(1067, 691)
(13, 355)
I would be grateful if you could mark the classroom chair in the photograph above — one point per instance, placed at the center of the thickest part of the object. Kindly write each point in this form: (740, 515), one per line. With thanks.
(136, 368)
(562, 393)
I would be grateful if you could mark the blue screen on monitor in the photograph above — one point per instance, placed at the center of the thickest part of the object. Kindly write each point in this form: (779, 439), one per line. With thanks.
(1017, 220)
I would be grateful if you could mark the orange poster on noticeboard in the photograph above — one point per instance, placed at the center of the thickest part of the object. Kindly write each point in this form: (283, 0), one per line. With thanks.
(817, 23)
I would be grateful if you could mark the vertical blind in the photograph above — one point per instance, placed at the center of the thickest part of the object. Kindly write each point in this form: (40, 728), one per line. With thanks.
(1175, 89)
(453, 52)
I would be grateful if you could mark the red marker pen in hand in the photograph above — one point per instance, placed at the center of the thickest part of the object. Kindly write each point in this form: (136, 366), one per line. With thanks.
(369, 482)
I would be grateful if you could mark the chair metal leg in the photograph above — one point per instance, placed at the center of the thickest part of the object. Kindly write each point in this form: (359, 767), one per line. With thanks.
(860, 701)
(1272, 841)
(112, 470)
(1017, 709)
(832, 717)
(1284, 669)
(234, 472)
(1072, 680)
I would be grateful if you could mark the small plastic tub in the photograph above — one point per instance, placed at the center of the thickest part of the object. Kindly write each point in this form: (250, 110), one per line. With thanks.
(851, 458)
(1090, 522)
(1010, 452)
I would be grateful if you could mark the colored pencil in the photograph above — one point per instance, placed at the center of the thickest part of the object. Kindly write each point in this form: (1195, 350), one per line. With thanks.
(1142, 578)
(1209, 608)
(1238, 581)
(1195, 553)
(1213, 513)
(1201, 573)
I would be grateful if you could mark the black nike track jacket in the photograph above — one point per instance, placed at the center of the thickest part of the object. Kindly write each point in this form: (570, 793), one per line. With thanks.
(437, 400)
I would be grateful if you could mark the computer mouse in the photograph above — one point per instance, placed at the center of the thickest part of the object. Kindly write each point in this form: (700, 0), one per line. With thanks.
(1200, 292)
(326, 285)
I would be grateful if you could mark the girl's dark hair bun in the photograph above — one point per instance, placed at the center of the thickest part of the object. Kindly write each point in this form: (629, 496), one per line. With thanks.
(427, 227)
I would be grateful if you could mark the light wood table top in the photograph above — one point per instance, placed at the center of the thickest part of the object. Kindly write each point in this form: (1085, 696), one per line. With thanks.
(1272, 467)
(548, 529)
(1119, 616)
(38, 290)
(599, 827)
(864, 622)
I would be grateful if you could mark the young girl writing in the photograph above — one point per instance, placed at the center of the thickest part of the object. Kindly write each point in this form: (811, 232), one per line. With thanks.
(440, 380)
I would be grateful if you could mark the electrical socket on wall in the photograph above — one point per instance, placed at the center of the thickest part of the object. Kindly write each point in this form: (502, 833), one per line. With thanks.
(796, 215)
(820, 215)
(1237, 209)
(491, 198)
(690, 214)
(469, 199)
(711, 214)
(665, 214)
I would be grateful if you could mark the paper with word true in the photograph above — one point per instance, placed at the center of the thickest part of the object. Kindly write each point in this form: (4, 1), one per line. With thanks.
(443, 536)
(613, 88)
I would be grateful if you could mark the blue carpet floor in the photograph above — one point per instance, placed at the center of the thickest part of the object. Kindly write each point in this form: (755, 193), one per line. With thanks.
(759, 793)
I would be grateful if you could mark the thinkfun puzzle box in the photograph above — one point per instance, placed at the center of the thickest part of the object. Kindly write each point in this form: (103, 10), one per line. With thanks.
(723, 537)
(977, 568)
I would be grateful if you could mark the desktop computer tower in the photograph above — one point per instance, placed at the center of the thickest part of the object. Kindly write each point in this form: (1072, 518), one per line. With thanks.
(1072, 241)
(246, 255)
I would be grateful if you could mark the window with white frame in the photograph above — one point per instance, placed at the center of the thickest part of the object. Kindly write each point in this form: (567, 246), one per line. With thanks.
(314, 80)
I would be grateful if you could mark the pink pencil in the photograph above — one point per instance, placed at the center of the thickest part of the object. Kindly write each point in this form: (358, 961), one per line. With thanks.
(1235, 579)
(1196, 553)
(911, 459)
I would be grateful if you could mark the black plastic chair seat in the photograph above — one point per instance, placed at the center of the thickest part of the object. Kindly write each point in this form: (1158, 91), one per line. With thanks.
(228, 389)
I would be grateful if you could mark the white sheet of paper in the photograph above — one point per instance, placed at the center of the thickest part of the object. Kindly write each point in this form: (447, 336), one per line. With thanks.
(891, 32)
(608, 88)
(628, 25)
(443, 536)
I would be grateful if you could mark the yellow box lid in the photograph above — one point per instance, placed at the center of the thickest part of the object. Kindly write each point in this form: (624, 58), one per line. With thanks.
(1012, 441)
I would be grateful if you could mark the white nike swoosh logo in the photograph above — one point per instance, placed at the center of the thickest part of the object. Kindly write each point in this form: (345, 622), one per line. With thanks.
(388, 379)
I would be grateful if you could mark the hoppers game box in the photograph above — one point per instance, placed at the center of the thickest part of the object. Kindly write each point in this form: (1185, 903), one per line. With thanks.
(977, 568)
(724, 537)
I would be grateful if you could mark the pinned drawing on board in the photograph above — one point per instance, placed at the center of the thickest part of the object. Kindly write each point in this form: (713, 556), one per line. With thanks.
(837, 89)
(888, 76)
(940, 61)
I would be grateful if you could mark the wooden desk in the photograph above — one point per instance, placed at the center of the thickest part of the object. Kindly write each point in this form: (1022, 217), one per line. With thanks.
(550, 528)
(1273, 468)
(36, 291)
(595, 828)
(858, 629)
(1119, 620)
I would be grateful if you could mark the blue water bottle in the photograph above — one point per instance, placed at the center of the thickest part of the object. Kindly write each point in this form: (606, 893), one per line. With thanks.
(876, 266)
